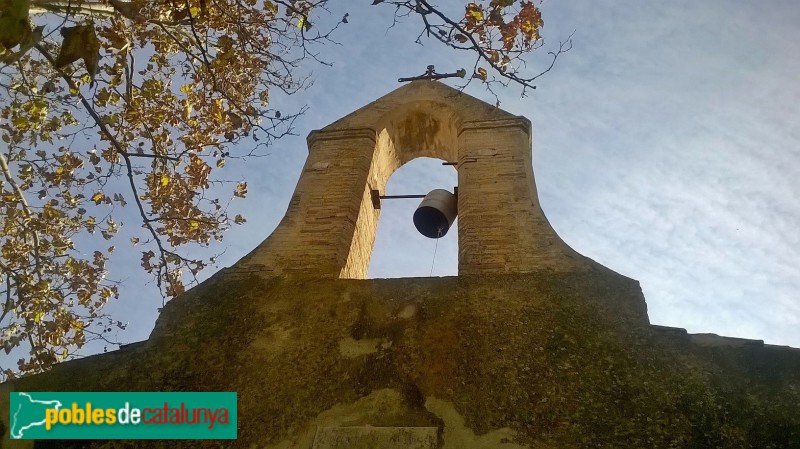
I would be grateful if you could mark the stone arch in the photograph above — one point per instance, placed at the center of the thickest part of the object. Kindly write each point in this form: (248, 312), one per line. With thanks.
(418, 129)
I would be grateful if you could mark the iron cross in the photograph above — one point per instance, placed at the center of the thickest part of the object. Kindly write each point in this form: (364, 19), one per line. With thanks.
(431, 74)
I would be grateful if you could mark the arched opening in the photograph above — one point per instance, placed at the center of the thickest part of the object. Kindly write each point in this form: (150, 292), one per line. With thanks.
(401, 251)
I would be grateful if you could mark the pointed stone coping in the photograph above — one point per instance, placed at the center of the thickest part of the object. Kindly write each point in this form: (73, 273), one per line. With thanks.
(396, 103)
(367, 437)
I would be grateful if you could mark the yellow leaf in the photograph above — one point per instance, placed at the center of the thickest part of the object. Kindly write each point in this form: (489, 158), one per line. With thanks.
(97, 197)
(241, 190)
(164, 180)
(475, 12)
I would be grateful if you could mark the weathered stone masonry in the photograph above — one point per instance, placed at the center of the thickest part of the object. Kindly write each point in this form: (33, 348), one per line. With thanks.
(330, 226)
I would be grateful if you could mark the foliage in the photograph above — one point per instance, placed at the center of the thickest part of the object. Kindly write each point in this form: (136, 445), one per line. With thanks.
(115, 104)
(500, 33)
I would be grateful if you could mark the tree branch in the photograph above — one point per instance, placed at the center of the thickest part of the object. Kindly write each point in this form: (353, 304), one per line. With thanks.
(72, 7)
(424, 8)
(125, 156)
(26, 208)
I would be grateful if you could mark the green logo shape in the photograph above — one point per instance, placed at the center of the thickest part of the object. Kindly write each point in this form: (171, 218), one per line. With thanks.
(122, 415)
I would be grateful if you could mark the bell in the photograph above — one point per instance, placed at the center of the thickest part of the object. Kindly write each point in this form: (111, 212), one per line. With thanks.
(436, 213)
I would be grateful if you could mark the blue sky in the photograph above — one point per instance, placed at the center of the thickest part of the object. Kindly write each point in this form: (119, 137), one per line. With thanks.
(666, 147)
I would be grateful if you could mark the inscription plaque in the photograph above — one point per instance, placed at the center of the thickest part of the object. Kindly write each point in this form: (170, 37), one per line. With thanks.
(367, 437)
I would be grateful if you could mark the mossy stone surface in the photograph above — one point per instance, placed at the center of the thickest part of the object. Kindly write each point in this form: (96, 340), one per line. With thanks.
(541, 360)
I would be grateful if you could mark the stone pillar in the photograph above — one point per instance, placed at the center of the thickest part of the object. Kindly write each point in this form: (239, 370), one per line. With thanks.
(501, 227)
(316, 235)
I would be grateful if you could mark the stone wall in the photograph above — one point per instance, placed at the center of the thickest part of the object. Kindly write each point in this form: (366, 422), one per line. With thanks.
(535, 360)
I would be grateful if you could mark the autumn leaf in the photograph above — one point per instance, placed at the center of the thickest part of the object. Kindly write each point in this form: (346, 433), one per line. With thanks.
(14, 25)
(474, 12)
(94, 159)
(304, 24)
(236, 120)
(80, 42)
(481, 74)
(147, 256)
(120, 199)
(241, 190)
